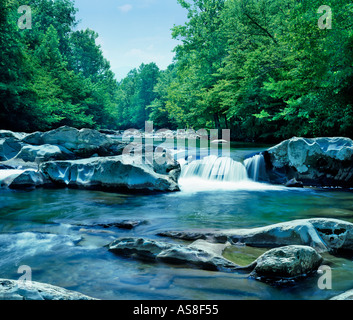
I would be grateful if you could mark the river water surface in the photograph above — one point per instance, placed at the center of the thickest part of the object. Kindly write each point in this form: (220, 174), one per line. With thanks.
(54, 233)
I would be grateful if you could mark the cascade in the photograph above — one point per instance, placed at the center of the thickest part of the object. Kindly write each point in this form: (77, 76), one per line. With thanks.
(215, 168)
(256, 168)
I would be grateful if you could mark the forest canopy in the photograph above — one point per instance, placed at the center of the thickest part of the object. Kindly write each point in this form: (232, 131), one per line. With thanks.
(264, 69)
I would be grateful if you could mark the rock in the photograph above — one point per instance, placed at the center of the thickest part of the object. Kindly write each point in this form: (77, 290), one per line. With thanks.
(161, 159)
(83, 143)
(30, 179)
(119, 172)
(286, 263)
(348, 295)
(7, 176)
(200, 254)
(124, 224)
(315, 162)
(324, 235)
(9, 148)
(31, 290)
(43, 153)
(10, 134)
(293, 183)
(144, 249)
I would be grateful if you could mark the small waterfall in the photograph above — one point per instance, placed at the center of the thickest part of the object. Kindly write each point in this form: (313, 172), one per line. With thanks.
(214, 173)
(256, 168)
(216, 169)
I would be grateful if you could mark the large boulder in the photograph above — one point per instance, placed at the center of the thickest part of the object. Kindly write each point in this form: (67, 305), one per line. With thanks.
(286, 263)
(43, 153)
(119, 172)
(9, 148)
(7, 176)
(324, 235)
(84, 143)
(315, 162)
(200, 254)
(31, 290)
(30, 179)
(11, 134)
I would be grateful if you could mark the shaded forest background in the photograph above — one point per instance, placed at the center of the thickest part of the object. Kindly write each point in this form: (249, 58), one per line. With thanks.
(262, 68)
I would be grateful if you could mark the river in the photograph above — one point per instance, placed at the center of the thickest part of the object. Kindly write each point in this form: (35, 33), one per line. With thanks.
(55, 233)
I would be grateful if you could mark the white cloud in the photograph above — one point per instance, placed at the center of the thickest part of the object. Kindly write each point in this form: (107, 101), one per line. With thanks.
(125, 8)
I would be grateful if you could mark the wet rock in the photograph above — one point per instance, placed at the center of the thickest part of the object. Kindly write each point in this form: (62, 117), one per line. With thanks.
(348, 295)
(323, 234)
(140, 248)
(293, 183)
(120, 172)
(9, 148)
(315, 162)
(200, 254)
(43, 153)
(31, 290)
(286, 263)
(83, 143)
(124, 224)
(30, 179)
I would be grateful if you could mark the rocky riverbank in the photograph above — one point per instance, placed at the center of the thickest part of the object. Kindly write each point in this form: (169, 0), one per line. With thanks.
(67, 157)
(320, 162)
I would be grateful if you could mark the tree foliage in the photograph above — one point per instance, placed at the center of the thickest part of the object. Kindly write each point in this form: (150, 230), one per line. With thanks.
(52, 75)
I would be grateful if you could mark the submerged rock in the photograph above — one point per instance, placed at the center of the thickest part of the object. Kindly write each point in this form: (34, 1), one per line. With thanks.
(320, 233)
(31, 290)
(121, 224)
(315, 162)
(286, 263)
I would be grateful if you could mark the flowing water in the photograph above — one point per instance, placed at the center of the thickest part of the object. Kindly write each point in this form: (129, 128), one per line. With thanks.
(55, 233)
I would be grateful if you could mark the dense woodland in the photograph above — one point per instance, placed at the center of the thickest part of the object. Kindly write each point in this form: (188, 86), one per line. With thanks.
(262, 68)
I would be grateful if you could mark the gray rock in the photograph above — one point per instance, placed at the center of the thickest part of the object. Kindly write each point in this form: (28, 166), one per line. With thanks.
(140, 248)
(19, 290)
(119, 172)
(123, 224)
(286, 263)
(9, 148)
(293, 183)
(30, 179)
(348, 295)
(200, 254)
(83, 143)
(43, 153)
(10, 134)
(315, 162)
(320, 233)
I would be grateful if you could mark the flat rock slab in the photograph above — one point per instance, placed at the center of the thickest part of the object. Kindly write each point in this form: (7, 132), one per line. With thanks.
(31, 290)
(323, 234)
(200, 254)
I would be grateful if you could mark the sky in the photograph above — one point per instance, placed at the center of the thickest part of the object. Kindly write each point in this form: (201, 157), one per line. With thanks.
(132, 32)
